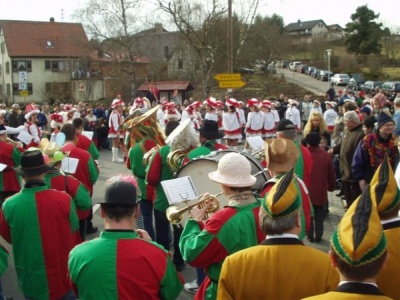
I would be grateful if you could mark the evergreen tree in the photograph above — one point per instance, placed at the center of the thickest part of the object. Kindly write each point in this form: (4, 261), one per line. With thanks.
(364, 33)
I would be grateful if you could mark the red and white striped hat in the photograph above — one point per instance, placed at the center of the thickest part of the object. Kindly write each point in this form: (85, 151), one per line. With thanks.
(252, 102)
(117, 102)
(266, 103)
(220, 104)
(31, 110)
(56, 120)
(232, 102)
(211, 102)
(195, 104)
(172, 114)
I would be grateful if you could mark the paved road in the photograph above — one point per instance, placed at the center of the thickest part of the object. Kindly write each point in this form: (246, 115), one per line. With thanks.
(312, 84)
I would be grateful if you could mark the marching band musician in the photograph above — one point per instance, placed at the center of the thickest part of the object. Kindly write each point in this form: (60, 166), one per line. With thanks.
(211, 105)
(10, 182)
(68, 113)
(138, 103)
(31, 127)
(232, 123)
(161, 112)
(57, 180)
(220, 114)
(157, 171)
(255, 120)
(116, 133)
(134, 162)
(232, 228)
(83, 141)
(123, 261)
(208, 134)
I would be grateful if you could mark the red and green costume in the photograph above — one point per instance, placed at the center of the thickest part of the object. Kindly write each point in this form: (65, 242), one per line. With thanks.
(85, 143)
(87, 171)
(3, 259)
(119, 265)
(41, 225)
(10, 156)
(158, 171)
(229, 230)
(205, 149)
(134, 162)
(57, 180)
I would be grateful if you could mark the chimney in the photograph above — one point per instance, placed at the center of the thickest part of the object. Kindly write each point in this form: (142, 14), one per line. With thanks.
(158, 28)
(299, 21)
(52, 19)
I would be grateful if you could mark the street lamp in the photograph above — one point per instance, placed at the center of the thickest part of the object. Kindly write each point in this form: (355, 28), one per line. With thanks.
(328, 53)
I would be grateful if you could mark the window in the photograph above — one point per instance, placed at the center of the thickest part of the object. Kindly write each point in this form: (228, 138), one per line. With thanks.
(49, 44)
(15, 89)
(8, 89)
(30, 88)
(49, 86)
(54, 65)
(47, 65)
(22, 65)
(8, 67)
(180, 63)
(165, 52)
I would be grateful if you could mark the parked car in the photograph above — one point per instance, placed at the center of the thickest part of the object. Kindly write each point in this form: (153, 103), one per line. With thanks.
(391, 86)
(244, 70)
(294, 65)
(355, 81)
(282, 64)
(315, 73)
(309, 70)
(323, 75)
(340, 79)
(370, 85)
(302, 68)
(269, 68)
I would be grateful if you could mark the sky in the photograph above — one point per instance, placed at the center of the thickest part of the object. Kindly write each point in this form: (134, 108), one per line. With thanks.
(330, 11)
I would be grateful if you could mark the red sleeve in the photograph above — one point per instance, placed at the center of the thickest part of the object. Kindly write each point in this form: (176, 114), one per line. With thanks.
(4, 228)
(154, 172)
(308, 164)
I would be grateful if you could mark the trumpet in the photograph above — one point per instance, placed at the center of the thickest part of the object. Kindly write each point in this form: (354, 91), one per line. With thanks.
(175, 214)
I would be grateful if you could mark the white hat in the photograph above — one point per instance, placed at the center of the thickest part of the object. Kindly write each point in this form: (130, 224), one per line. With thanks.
(172, 114)
(233, 170)
(292, 101)
(232, 102)
(117, 102)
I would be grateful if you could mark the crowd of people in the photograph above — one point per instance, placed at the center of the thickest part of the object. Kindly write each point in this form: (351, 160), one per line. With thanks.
(246, 249)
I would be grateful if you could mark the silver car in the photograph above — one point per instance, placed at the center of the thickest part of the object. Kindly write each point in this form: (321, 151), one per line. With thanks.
(340, 79)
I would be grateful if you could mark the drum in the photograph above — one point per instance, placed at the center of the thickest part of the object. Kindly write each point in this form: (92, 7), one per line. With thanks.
(199, 168)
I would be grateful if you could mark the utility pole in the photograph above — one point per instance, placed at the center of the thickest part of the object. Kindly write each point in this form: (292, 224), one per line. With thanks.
(230, 38)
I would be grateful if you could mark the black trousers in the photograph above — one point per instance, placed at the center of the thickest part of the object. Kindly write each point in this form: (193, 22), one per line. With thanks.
(351, 191)
(317, 223)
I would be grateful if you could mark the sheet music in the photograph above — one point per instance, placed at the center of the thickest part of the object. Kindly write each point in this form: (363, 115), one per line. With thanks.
(88, 134)
(69, 165)
(25, 137)
(179, 189)
(2, 167)
(255, 142)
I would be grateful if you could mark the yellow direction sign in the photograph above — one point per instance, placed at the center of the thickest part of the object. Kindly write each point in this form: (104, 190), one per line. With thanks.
(227, 76)
(231, 84)
(23, 93)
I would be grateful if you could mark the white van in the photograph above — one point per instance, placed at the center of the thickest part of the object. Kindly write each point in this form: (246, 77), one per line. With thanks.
(293, 65)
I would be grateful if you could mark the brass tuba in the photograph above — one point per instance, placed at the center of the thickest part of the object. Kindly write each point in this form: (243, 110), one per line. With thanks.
(181, 140)
(175, 215)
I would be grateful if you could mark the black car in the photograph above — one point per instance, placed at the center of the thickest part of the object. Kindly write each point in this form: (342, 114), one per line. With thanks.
(370, 85)
(355, 81)
(244, 70)
(391, 86)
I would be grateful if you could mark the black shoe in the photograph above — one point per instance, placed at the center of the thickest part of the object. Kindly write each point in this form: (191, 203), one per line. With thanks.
(318, 240)
(92, 230)
(310, 239)
(180, 267)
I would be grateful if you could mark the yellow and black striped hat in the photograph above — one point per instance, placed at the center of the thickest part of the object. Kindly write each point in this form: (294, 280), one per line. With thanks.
(359, 238)
(284, 197)
(384, 190)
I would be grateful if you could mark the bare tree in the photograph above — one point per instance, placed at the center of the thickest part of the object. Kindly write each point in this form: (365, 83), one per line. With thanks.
(113, 24)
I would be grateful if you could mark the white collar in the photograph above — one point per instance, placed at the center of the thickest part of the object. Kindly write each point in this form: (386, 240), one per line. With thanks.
(283, 235)
(390, 220)
(370, 283)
